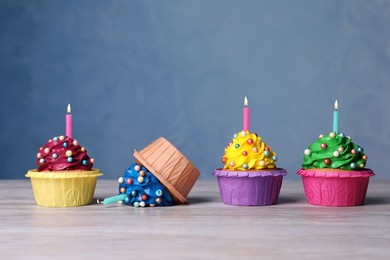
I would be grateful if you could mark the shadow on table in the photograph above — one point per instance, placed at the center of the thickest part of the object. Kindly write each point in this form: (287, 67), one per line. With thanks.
(376, 201)
(198, 200)
(288, 200)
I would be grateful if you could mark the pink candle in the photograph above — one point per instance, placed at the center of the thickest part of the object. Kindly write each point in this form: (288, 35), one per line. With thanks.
(68, 118)
(246, 113)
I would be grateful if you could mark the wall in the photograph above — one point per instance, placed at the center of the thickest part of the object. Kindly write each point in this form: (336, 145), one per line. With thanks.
(137, 70)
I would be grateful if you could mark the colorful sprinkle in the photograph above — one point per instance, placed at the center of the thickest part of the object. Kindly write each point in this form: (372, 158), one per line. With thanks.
(266, 153)
(243, 133)
(65, 144)
(141, 173)
(321, 136)
(224, 160)
(360, 149)
(353, 151)
(120, 180)
(361, 165)
(39, 155)
(47, 150)
(129, 181)
(237, 146)
(255, 150)
(68, 153)
(92, 160)
(40, 148)
(142, 204)
(336, 154)
(137, 168)
(324, 146)
(82, 149)
(365, 157)
(55, 138)
(232, 163)
(235, 136)
(341, 149)
(341, 135)
(267, 148)
(250, 141)
(123, 190)
(54, 155)
(70, 159)
(332, 134)
(140, 179)
(144, 197)
(245, 153)
(42, 160)
(307, 152)
(275, 158)
(245, 166)
(133, 193)
(127, 200)
(353, 165)
(75, 143)
(85, 162)
(61, 137)
(158, 200)
(136, 204)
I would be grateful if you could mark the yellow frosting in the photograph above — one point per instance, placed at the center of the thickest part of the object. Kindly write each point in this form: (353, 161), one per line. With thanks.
(247, 151)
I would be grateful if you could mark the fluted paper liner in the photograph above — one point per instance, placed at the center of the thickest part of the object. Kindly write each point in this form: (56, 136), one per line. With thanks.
(63, 188)
(250, 188)
(170, 167)
(335, 187)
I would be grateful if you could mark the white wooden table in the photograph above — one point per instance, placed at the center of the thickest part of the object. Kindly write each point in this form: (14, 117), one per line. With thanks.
(206, 228)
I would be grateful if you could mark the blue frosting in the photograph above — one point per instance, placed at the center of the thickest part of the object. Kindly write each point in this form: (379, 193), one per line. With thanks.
(156, 193)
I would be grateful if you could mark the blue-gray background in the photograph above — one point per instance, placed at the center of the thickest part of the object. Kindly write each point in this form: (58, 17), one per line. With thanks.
(137, 70)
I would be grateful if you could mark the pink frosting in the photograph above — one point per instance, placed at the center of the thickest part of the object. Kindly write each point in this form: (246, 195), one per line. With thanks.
(65, 154)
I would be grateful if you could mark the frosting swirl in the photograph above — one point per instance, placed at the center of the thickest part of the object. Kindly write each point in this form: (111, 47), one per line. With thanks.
(335, 151)
(143, 188)
(247, 151)
(63, 153)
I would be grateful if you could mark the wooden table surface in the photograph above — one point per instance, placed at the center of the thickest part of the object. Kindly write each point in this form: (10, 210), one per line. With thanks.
(206, 228)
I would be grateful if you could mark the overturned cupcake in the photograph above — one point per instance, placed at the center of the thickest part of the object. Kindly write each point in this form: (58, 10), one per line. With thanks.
(64, 177)
(334, 170)
(161, 176)
(249, 176)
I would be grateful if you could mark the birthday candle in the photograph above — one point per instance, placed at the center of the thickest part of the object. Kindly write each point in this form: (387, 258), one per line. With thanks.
(68, 119)
(246, 114)
(336, 117)
(114, 199)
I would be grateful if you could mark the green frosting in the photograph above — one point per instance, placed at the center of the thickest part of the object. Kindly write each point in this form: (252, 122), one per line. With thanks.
(335, 151)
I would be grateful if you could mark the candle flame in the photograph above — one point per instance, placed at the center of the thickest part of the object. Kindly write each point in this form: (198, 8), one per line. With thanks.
(68, 110)
(336, 105)
(245, 102)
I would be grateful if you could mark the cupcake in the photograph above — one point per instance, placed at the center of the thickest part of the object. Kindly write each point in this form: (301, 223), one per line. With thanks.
(249, 176)
(333, 172)
(64, 177)
(161, 176)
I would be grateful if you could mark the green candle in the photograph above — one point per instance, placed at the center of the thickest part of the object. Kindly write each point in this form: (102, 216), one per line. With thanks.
(114, 199)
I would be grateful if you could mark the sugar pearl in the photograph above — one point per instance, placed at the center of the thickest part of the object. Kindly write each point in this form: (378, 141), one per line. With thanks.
(129, 181)
(39, 155)
(332, 134)
(341, 149)
(127, 200)
(65, 144)
(250, 141)
(275, 158)
(141, 173)
(261, 163)
(307, 152)
(324, 146)
(255, 150)
(140, 179)
(158, 200)
(120, 180)
(61, 137)
(92, 160)
(144, 197)
(327, 161)
(85, 162)
(245, 153)
(365, 157)
(336, 154)
(321, 136)
(142, 204)
(243, 133)
(137, 167)
(136, 204)
(70, 159)
(245, 166)
(54, 155)
(361, 165)
(224, 160)
(237, 146)
(266, 153)
(55, 138)
(353, 151)
(159, 192)
(353, 165)
(123, 190)
(133, 193)
(82, 149)
(69, 153)
(47, 150)
(75, 143)
(360, 150)
(232, 163)
(42, 160)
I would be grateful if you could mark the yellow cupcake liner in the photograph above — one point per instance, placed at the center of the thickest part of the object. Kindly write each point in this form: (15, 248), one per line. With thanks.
(63, 188)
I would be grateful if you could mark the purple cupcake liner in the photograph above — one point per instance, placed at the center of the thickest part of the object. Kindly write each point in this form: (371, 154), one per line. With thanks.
(250, 188)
